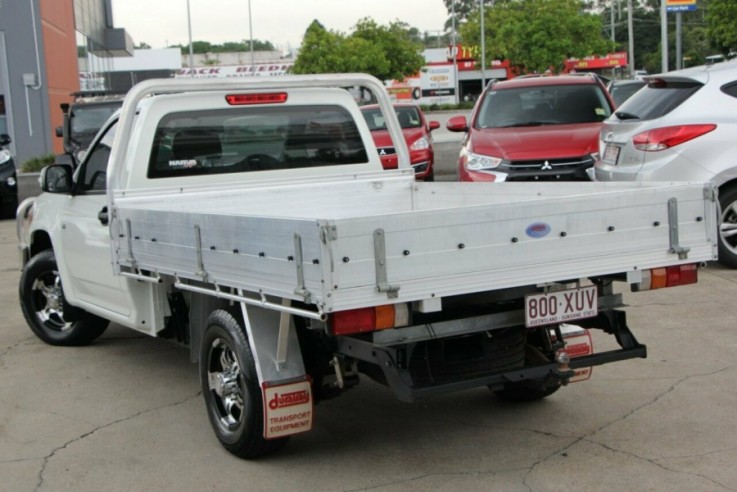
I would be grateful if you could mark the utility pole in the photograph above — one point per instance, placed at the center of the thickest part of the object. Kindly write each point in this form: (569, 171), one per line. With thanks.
(679, 55)
(250, 33)
(631, 37)
(191, 50)
(455, 51)
(483, 49)
(663, 37)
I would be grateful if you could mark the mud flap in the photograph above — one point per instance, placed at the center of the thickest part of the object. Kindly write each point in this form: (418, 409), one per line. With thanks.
(285, 387)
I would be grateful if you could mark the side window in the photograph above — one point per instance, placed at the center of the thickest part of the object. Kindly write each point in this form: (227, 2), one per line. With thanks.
(730, 89)
(93, 174)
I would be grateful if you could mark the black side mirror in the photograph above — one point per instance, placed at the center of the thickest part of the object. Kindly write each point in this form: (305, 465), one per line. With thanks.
(56, 178)
(59, 131)
(5, 139)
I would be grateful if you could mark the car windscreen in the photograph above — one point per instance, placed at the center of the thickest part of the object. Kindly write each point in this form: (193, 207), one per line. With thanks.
(657, 99)
(88, 119)
(408, 116)
(245, 139)
(543, 105)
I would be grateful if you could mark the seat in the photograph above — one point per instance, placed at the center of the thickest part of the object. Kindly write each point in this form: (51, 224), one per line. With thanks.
(405, 120)
(197, 144)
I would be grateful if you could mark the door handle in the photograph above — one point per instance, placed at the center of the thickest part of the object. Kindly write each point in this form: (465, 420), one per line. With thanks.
(103, 216)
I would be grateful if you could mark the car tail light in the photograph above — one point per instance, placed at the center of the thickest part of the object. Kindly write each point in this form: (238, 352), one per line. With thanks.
(658, 278)
(264, 98)
(369, 319)
(669, 136)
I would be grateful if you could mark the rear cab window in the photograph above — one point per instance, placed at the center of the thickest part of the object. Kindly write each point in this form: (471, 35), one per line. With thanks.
(254, 138)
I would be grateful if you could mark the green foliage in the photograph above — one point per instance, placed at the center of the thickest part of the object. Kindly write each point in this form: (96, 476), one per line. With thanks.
(538, 34)
(37, 163)
(202, 47)
(386, 52)
(721, 19)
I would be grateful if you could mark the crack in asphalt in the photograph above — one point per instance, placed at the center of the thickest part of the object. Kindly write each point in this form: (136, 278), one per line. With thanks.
(9, 348)
(47, 458)
(587, 437)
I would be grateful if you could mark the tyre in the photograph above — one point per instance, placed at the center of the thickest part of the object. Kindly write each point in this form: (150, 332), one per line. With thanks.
(231, 390)
(44, 307)
(728, 227)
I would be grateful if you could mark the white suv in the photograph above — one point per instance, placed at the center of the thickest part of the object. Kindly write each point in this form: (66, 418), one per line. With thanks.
(681, 127)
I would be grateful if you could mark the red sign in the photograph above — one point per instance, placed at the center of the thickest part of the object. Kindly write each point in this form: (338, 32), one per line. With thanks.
(611, 60)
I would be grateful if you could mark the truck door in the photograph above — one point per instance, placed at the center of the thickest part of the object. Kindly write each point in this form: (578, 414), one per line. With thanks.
(85, 240)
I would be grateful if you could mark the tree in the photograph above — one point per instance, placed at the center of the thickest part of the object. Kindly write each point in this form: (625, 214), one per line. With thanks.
(203, 47)
(142, 46)
(538, 34)
(721, 20)
(386, 52)
(400, 51)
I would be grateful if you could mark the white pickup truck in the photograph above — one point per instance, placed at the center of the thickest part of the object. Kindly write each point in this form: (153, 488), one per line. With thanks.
(252, 221)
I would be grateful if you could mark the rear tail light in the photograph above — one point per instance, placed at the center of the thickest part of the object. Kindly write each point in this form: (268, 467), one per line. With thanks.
(369, 319)
(264, 98)
(669, 136)
(658, 278)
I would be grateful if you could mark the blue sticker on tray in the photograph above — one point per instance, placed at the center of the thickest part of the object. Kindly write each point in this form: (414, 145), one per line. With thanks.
(538, 229)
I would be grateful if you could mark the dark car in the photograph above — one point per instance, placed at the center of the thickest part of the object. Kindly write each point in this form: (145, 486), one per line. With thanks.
(416, 130)
(533, 128)
(621, 90)
(83, 119)
(8, 180)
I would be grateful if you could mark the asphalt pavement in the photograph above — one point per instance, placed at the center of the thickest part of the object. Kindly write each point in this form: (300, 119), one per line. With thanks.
(126, 414)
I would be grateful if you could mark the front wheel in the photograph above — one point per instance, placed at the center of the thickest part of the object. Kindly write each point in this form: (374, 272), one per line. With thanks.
(44, 307)
(231, 389)
(728, 227)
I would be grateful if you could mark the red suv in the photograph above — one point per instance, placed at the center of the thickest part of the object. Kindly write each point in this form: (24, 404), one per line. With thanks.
(534, 128)
(416, 130)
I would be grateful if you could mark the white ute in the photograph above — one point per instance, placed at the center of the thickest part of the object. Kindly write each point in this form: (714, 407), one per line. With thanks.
(252, 221)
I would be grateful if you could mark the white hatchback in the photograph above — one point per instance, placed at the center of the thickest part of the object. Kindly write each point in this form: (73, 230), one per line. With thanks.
(681, 127)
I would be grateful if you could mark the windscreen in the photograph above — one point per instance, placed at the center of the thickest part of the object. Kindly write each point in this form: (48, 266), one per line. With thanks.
(408, 116)
(86, 120)
(254, 138)
(543, 105)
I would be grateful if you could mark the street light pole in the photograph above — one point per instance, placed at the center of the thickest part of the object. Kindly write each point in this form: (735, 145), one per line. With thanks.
(483, 49)
(191, 50)
(454, 49)
(250, 33)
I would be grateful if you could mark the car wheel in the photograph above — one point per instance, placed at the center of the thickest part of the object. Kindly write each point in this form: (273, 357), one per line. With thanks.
(728, 227)
(231, 391)
(44, 307)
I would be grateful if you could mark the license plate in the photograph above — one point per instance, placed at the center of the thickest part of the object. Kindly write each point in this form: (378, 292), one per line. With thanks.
(561, 306)
(611, 154)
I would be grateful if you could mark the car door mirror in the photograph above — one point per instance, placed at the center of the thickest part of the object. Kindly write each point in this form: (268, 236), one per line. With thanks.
(457, 124)
(56, 178)
(59, 131)
(433, 125)
(4, 139)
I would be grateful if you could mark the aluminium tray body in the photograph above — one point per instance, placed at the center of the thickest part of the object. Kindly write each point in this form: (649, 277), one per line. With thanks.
(380, 238)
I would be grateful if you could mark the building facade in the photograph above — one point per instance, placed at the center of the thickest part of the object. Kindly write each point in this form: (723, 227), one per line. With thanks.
(38, 65)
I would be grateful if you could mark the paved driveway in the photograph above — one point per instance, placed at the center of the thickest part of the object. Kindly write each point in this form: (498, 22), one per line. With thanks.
(126, 414)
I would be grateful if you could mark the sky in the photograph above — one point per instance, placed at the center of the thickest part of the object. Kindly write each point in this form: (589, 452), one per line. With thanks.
(161, 23)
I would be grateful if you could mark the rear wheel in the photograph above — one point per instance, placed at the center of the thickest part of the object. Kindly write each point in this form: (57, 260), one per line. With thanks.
(231, 389)
(728, 227)
(47, 313)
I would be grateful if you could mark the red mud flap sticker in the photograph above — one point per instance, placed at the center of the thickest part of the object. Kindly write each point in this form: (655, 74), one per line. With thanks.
(287, 409)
